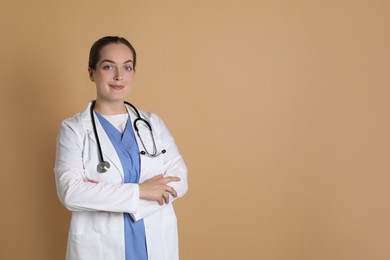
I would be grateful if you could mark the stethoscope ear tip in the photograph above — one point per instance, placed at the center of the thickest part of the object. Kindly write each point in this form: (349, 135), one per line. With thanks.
(153, 155)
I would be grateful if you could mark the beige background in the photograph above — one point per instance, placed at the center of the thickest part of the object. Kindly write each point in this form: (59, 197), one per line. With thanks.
(281, 109)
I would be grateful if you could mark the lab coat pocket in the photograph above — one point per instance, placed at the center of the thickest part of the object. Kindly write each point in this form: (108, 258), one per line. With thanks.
(85, 247)
(151, 166)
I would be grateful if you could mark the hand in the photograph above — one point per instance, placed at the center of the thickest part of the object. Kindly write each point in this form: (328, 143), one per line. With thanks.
(156, 188)
(88, 180)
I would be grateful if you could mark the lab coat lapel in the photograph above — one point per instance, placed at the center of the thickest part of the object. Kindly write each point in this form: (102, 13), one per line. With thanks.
(149, 167)
(108, 150)
(133, 117)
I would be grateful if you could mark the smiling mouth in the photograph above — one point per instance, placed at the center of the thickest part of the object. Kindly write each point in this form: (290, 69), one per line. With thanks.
(118, 87)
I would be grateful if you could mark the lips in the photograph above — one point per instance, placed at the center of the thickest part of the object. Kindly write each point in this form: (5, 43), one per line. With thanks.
(117, 87)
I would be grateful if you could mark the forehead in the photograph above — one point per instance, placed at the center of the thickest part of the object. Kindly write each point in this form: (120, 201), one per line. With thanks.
(117, 52)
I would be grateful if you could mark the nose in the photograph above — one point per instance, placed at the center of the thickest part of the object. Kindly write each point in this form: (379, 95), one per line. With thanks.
(118, 75)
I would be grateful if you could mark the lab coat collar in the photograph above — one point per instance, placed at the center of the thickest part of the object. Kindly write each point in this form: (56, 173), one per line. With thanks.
(87, 122)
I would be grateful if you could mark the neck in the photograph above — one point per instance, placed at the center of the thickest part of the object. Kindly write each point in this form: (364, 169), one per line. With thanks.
(110, 108)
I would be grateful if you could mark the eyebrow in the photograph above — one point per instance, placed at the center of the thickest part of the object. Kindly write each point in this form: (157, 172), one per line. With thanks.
(110, 61)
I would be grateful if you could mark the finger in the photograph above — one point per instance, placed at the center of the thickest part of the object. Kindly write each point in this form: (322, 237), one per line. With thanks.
(171, 191)
(88, 180)
(160, 176)
(166, 197)
(171, 178)
(161, 201)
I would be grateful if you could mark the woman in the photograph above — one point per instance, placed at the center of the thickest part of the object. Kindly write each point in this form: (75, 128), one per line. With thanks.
(118, 174)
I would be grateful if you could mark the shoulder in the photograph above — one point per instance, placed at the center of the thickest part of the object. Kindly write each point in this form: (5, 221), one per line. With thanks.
(152, 118)
(72, 122)
(149, 115)
(158, 125)
(77, 123)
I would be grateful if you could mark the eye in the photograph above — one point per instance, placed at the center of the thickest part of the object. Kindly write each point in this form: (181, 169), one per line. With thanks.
(107, 67)
(128, 68)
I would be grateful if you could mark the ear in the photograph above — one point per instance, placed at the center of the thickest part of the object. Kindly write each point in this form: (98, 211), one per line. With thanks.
(90, 72)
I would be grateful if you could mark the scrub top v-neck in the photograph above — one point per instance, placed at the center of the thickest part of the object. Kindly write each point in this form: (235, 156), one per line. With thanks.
(126, 147)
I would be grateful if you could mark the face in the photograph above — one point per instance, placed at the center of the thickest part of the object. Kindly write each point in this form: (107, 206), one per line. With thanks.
(114, 73)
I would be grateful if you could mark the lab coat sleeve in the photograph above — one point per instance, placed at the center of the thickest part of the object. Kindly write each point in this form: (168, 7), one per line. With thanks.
(174, 166)
(79, 195)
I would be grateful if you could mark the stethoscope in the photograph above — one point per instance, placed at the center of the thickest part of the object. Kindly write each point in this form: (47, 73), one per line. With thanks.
(103, 165)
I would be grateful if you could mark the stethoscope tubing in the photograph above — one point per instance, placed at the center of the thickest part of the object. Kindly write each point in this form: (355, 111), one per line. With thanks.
(103, 165)
(95, 132)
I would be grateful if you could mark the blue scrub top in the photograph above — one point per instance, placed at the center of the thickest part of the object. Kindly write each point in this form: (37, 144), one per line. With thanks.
(127, 149)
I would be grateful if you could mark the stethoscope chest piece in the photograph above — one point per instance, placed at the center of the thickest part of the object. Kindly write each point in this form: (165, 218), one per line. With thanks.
(103, 167)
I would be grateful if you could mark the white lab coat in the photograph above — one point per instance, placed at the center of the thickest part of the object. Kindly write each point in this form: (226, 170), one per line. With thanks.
(97, 225)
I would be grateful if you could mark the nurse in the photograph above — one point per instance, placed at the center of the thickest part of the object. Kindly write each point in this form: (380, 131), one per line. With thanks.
(126, 212)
